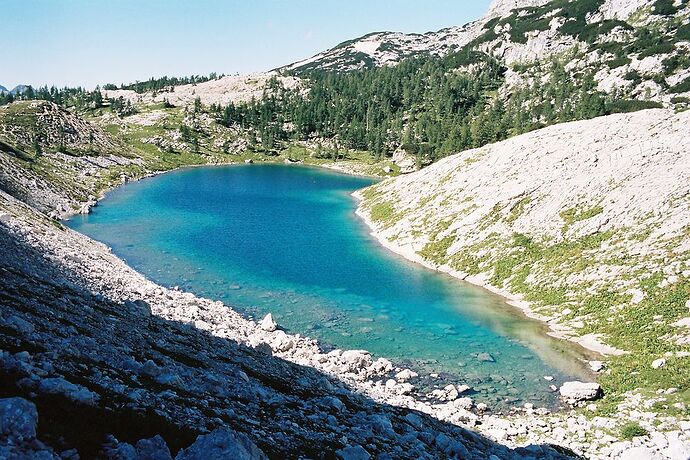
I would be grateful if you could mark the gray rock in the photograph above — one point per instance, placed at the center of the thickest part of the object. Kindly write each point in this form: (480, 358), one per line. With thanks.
(574, 392)
(486, 358)
(221, 444)
(596, 366)
(640, 453)
(121, 451)
(20, 325)
(353, 453)
(77, 393)
(18, 419)
(153, 448)
(268, 324)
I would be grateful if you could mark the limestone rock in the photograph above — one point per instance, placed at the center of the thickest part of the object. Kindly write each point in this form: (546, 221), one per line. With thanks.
(353, 453)
(486, 357)
(153, 448)
(405, 375)
(575, 391)
(18, 419)
(221, 444)
(268, 324)
(596, 366)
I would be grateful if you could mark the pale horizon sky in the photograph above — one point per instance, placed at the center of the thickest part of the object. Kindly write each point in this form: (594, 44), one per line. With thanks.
(88, 43)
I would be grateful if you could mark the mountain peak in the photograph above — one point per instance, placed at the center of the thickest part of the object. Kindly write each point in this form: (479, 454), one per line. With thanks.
(503, 7)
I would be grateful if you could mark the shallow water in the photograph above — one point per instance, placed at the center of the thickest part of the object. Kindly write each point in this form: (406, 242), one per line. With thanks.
(285, 240)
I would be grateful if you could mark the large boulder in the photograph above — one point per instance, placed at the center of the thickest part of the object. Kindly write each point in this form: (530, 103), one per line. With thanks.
(575, 392)
(220, 444)
(18, 419)
(153, 448)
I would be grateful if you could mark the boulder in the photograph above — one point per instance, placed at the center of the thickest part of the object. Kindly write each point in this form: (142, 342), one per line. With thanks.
(221, 444)
(640, 453)
(486, 358)
(463, 389)
(406, 375)
(574, 392)
(353, 453)
(356, 359)
(268, 324)
(658, 363)
(153, 448)
(596, 366)
(406, 162)
(18, 419)
(76, 393)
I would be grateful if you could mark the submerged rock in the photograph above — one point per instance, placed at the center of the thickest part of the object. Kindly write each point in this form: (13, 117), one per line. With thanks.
(486, 358)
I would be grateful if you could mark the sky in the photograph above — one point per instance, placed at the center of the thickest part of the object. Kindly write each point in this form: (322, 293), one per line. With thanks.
(90, 42)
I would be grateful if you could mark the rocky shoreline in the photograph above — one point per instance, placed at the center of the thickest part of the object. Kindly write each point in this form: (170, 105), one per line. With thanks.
(90, 264)
(592, 345)
(62, 291)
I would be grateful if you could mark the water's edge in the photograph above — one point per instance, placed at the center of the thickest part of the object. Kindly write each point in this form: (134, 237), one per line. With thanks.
(589, 349)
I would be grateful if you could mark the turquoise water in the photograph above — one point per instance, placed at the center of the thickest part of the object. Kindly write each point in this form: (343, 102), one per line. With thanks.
(285, 240)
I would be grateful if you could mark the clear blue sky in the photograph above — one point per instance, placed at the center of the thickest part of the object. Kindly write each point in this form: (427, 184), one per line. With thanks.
(89, 42)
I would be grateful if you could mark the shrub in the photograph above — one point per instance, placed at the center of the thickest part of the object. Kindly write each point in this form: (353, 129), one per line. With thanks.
(681, 87)
(632, 430)
(631, 105)
(664, 8)
(619, 62)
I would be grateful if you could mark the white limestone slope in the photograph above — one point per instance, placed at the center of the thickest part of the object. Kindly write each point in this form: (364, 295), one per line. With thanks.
(625, 178)
(224, 90)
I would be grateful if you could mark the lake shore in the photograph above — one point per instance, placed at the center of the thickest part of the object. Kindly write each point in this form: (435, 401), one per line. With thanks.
(94, 262)
(589, 343)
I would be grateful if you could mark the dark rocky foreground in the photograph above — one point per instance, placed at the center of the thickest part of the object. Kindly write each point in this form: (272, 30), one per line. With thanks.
(101, 363)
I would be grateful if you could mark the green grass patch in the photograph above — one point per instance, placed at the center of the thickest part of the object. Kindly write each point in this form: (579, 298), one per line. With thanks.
(632, 430)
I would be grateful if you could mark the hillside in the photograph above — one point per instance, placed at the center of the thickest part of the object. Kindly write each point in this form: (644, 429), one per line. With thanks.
(552, 158)
(220, 91)
(636, 48)
(586, 225)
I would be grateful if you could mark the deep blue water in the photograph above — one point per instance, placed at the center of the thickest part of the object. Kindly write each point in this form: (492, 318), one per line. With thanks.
(285, 239)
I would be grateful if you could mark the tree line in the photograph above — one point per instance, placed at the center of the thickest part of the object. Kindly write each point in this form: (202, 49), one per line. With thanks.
(428, 106)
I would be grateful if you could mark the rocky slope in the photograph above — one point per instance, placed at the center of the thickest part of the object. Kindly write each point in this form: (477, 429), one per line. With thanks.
(585, 225)
(55, 160)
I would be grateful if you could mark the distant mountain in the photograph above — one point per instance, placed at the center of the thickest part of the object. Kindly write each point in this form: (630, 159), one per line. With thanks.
(3, 90)
(635, 48)
(19, 89)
